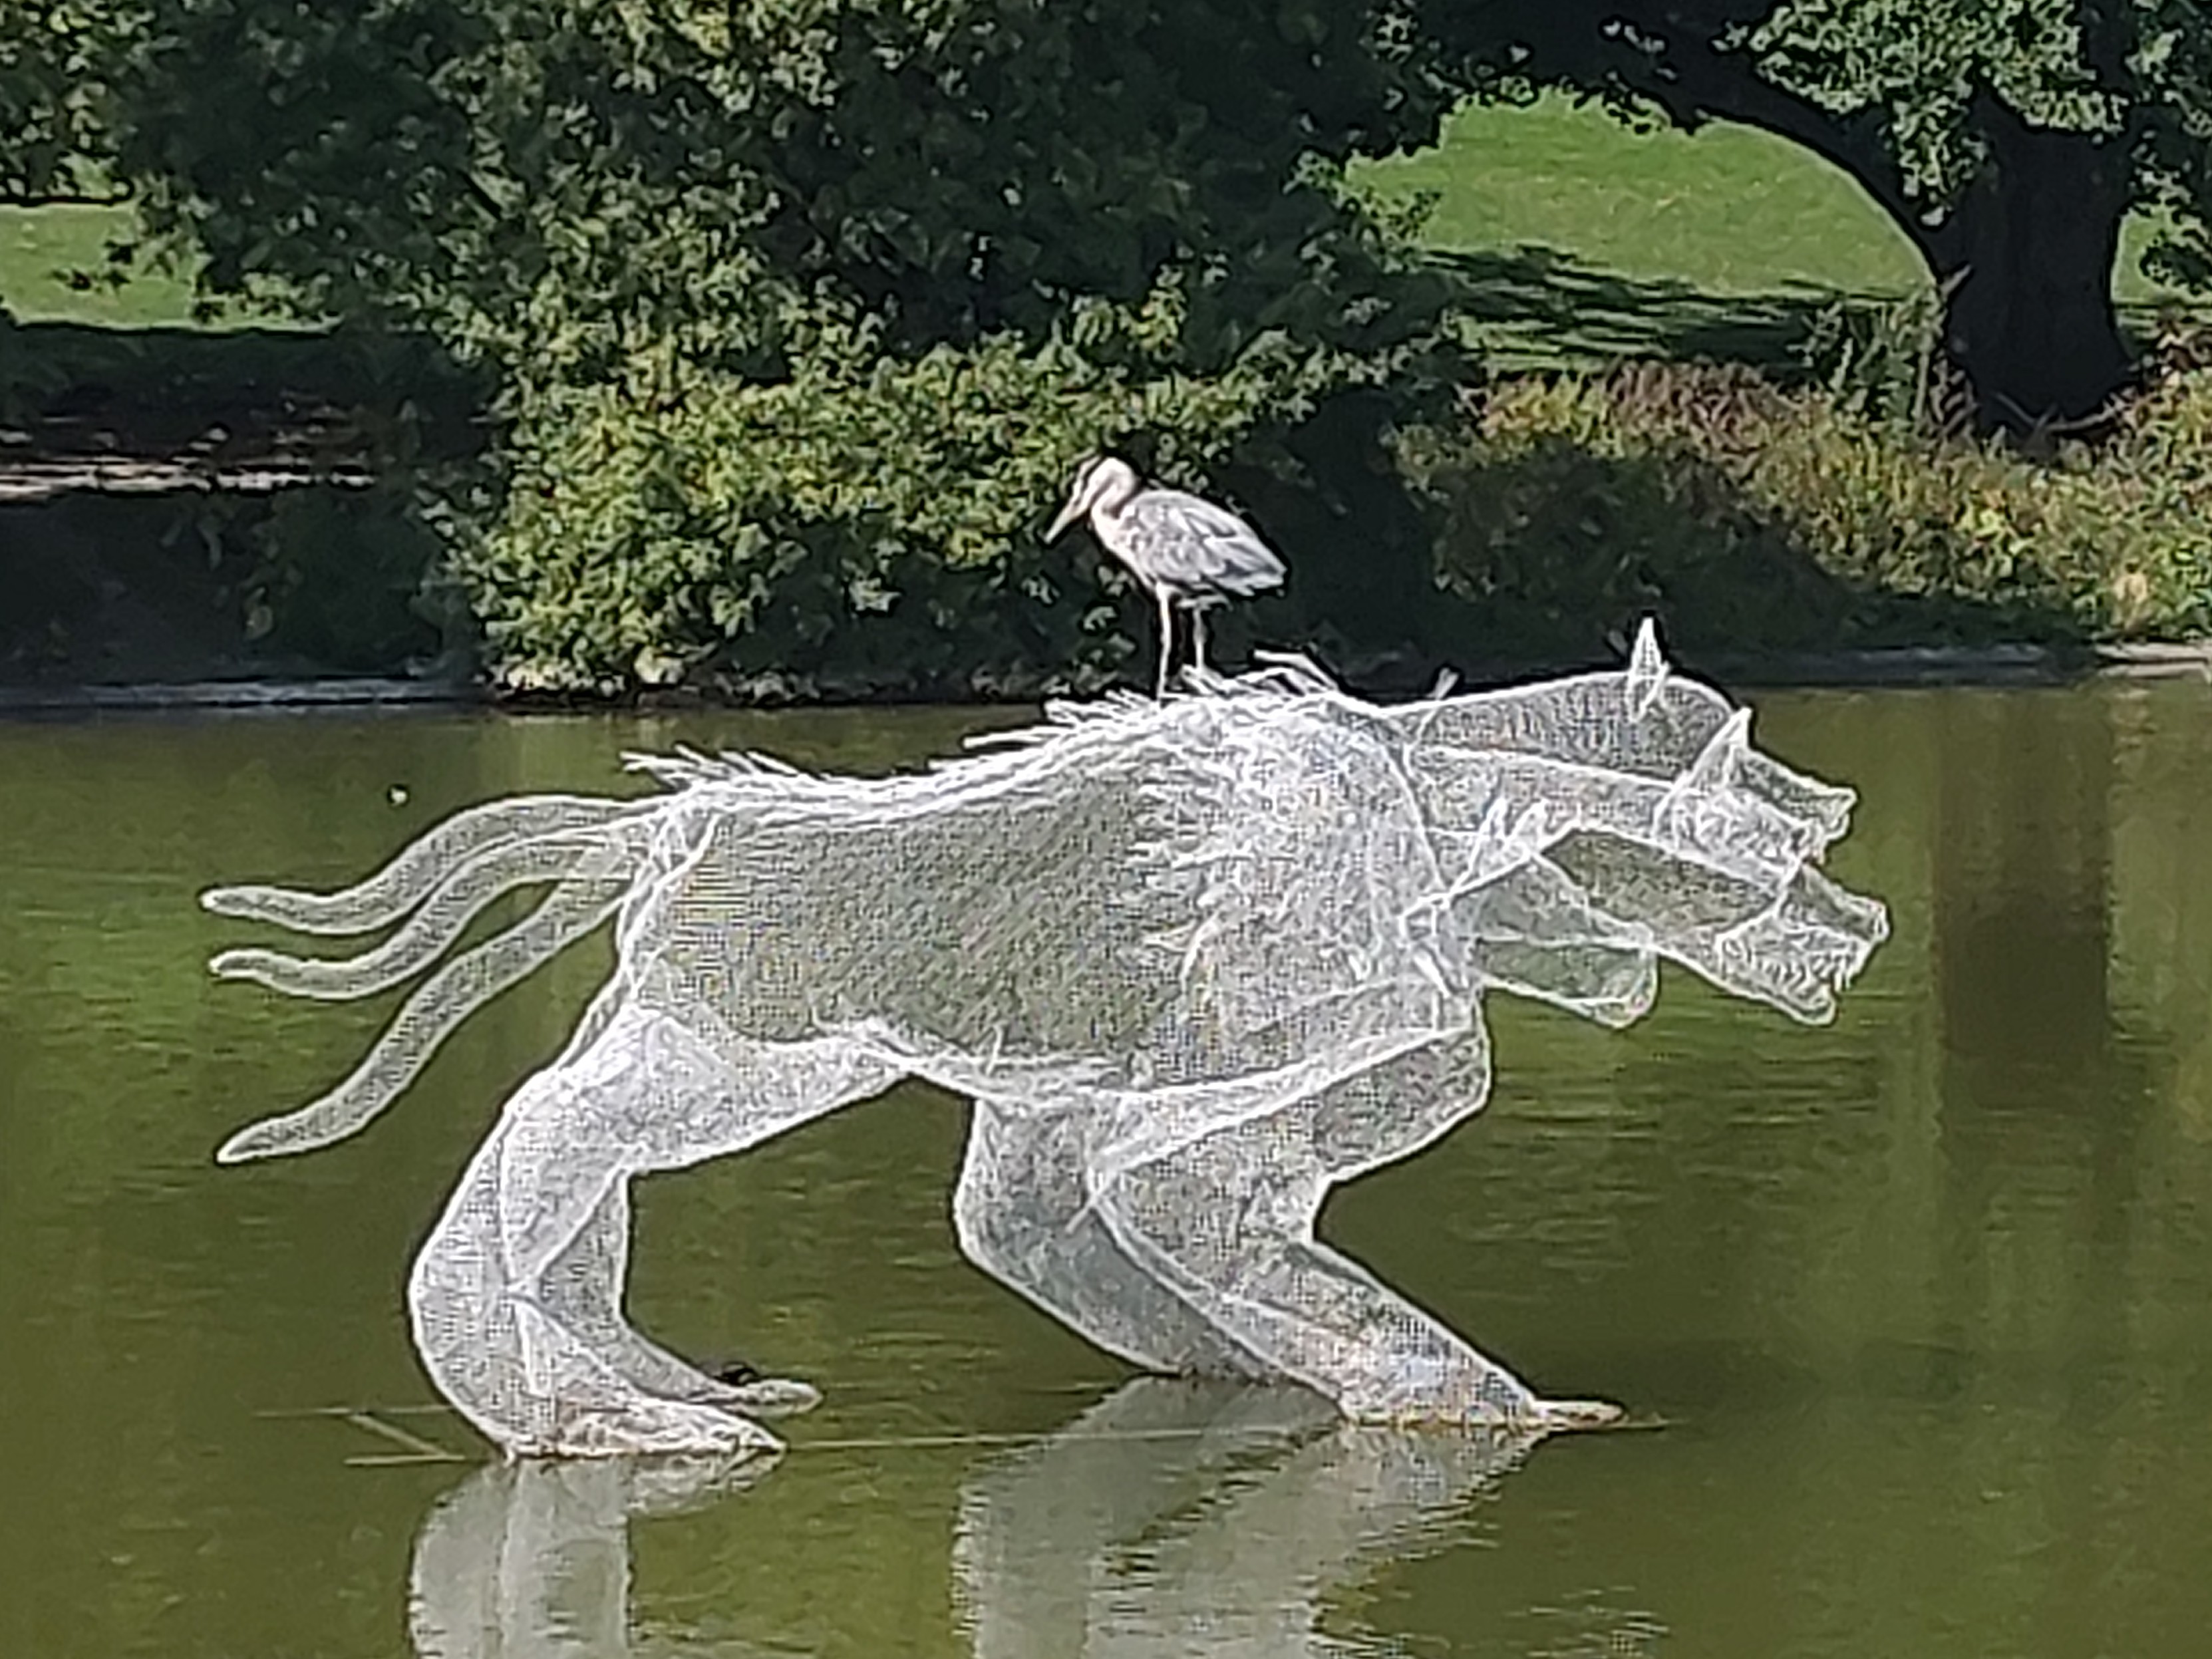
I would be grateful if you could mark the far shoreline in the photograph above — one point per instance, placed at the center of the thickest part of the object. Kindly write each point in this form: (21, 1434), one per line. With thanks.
(2020, 666)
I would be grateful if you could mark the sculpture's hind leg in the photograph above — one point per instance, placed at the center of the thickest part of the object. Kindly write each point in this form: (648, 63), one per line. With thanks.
(516, 1297)
(582, 1291)
(1023, 1213)
(1228, 1222)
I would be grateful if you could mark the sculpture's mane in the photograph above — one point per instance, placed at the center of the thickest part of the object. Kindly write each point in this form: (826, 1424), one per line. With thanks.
(1119, 721)
(1205, 771)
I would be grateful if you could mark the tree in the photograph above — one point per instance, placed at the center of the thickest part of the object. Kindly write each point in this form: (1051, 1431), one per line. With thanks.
(2007, 142)
(54, 55)
(842, 287)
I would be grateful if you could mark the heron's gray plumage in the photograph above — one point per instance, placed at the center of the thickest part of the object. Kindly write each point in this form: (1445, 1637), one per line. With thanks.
(1185, 551)
(1200, 553)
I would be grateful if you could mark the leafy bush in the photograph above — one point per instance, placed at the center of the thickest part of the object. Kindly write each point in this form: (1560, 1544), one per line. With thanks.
(1757, 518)
(803, 312)
(870, 525)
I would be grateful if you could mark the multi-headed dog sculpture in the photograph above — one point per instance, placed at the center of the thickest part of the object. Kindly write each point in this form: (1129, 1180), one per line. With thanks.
(1194, 962)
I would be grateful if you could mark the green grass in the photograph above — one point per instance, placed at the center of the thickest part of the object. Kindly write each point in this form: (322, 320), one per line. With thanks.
(1596, 240)
(41, 248)
(1726, 211)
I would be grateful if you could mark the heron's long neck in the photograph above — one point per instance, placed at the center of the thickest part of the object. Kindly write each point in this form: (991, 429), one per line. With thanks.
(1110, 505)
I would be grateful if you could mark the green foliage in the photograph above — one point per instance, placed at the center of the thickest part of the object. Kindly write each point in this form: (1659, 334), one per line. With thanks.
(1917, 67)
(869, 524)
(55, 58)
(803, 312)
(560, 182)
(348, 581)
(1882, 361)
(1905, 93)
(1758, 520)
(2006, 142)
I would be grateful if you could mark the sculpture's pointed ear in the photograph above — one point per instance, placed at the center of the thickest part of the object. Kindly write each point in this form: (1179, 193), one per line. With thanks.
(1647, 670)
(1720, 761)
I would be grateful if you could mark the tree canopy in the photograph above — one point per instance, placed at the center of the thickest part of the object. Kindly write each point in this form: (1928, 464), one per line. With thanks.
(2007, 142)
(802, 311)
(55, 56)
(890, 266)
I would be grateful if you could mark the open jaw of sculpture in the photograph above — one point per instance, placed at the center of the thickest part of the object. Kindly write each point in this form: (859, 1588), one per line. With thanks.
(1194, 961)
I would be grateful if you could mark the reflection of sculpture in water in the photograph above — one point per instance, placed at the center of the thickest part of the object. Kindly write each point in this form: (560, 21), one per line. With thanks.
(1196, 961)
(1164, 1521)
(1171, 1518)
(534, 1558)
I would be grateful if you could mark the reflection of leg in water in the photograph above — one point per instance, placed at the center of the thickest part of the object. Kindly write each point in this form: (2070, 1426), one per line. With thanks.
(532, 1558)
(1180, 1517)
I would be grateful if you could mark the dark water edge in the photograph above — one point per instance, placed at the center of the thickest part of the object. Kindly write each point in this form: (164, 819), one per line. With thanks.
(1905, 668)
(328, 594)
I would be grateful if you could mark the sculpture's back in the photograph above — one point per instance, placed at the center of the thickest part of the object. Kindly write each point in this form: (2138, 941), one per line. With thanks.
(1191, 894)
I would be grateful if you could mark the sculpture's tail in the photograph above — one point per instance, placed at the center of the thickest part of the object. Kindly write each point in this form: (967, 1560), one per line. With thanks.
(588, 851)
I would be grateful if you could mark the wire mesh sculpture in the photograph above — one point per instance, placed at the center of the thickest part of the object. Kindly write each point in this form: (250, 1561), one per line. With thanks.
(1194, 962)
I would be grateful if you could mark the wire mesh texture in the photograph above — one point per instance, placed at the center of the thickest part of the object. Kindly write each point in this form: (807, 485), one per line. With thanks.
(1194, 960)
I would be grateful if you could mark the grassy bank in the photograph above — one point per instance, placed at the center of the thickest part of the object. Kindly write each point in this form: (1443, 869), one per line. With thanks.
(1727, 211)
(54, 269)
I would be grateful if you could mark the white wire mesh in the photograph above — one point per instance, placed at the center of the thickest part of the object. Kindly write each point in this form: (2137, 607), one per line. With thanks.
(1195, 961)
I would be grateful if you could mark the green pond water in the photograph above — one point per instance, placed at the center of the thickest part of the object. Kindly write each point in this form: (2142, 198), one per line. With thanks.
(1916, 1308)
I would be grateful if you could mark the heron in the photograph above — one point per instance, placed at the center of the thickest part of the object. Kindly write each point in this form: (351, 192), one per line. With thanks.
(1183, 550)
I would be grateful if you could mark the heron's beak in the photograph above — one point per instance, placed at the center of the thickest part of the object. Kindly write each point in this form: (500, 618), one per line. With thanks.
(1068, 515)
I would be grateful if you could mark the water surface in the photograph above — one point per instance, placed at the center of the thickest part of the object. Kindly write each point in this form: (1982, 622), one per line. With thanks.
(1924, 1299)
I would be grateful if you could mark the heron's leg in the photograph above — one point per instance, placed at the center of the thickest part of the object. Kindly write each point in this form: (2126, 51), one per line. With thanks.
(1198, 636)
(515, 1298)
(1023, 1215)
(1167, 640)
(1228, 1222)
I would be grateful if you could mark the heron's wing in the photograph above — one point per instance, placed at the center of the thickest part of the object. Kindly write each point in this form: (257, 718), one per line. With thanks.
(1189, 545)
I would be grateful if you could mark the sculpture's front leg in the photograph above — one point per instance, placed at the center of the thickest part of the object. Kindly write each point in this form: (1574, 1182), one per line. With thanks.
(1024, 1214)
(1228, 1222)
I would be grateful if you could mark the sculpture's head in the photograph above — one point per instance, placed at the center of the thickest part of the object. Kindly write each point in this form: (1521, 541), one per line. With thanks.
(1586, 827)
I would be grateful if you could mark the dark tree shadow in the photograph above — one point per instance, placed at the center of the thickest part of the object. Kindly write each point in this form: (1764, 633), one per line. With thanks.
(353, 395)
(1537, 308)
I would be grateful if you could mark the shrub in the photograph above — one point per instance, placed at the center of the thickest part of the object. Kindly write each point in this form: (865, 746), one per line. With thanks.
(802, 313)
(870, 525)
(1755, 517)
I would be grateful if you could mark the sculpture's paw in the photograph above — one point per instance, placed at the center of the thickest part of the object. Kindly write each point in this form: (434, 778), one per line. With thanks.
(775, 1396)
(1487, 1400)
(1420, 1391)
(736, 1384)
(1566, 1414)
(649, 1427)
